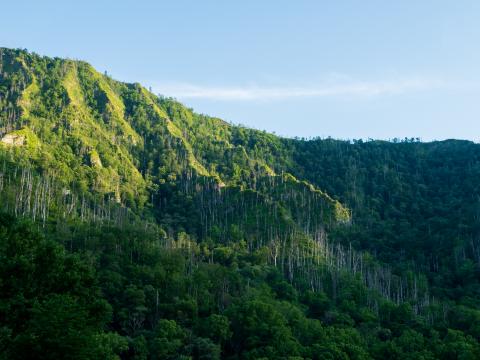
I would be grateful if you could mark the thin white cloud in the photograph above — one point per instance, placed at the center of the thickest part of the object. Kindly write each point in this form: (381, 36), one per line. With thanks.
(349, 89)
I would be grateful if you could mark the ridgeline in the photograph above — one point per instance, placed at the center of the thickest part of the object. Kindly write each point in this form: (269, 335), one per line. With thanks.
(132, 227)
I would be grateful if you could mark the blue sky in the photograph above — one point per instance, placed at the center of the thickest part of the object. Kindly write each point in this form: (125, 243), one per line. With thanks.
(346, 69)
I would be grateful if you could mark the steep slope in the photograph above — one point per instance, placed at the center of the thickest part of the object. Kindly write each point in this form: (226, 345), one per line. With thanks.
(68, 104)
(115, 142)
(344, 249)
(411, 202)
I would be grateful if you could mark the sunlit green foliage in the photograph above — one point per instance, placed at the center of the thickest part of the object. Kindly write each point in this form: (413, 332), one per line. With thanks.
(143, 230)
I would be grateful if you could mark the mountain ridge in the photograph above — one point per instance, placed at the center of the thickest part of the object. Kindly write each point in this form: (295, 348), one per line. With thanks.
(82, 124)
(346, 249)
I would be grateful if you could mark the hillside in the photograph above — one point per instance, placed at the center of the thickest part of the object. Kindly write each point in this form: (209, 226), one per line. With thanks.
(176, 235)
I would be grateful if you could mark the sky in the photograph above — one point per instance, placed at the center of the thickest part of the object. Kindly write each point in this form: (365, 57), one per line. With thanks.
(346, 69)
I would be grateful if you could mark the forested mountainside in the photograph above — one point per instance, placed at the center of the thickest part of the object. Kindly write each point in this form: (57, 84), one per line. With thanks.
(134, 228)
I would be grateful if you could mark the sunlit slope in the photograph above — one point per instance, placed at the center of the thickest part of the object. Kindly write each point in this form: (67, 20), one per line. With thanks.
(119, 140)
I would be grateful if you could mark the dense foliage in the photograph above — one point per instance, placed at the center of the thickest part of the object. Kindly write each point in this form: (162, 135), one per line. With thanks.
(134, 228)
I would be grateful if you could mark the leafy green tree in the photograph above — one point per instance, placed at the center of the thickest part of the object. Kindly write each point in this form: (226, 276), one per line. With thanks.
(50, 306)
(169, 340)
(261, 331)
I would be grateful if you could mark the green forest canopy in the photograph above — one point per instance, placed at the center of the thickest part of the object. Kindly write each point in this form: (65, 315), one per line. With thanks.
(135, 228)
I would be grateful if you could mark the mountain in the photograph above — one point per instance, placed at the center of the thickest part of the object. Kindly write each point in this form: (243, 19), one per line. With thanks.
(135, 228)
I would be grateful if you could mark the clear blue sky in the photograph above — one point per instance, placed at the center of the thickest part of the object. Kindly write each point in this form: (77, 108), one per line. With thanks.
(346, 69)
